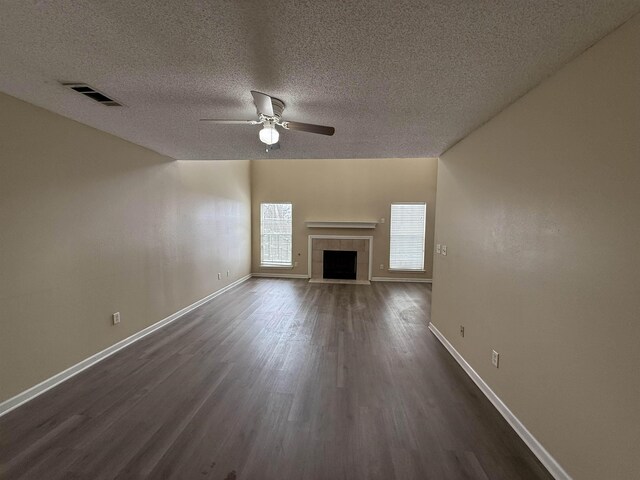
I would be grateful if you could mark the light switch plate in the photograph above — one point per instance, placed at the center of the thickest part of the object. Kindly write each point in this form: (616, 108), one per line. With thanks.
(495, 358)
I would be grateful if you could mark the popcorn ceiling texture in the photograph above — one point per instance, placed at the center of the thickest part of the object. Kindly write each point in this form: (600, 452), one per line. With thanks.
(396, 78)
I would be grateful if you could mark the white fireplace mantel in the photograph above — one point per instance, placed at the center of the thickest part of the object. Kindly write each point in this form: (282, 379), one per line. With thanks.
(341, 224)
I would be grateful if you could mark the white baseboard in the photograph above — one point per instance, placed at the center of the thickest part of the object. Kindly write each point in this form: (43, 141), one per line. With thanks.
(373, 279)
(534, 445)
(40, 388)
(279, 275)
(395, 279)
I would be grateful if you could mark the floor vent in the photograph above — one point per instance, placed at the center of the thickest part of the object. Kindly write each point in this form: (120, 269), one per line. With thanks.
(92, 93)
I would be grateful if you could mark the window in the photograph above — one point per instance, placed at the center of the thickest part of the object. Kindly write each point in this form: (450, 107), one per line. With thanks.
(275, 234)
(406, 249)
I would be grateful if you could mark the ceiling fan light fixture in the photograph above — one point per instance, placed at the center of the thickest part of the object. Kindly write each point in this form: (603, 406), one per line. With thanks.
(269, 110)
(269, 135)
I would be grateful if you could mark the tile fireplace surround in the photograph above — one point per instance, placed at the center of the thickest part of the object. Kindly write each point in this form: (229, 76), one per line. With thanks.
(360, 244)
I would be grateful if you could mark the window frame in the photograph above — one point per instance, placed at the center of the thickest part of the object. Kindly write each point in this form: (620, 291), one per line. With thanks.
(274, 265)
(424, 238)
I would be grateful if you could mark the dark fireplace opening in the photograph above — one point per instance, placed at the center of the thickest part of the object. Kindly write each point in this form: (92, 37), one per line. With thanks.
(339, 264)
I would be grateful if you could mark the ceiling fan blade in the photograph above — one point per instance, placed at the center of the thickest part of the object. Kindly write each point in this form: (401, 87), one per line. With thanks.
(230, 122)
(263, 103)
(309, 127)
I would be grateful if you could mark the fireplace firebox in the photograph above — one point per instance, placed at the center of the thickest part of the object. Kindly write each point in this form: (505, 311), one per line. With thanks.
(339, 264)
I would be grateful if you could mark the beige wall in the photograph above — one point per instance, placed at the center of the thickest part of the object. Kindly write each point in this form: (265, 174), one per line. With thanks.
(330, 190)
(91, 224)
(540, 210)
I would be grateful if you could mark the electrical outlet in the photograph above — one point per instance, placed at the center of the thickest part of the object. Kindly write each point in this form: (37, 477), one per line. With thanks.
(462, 330)
(219, 276)
(438, 248)
(495, 358)
(444, 250)
(295, 264)
(381, 266)
(382, 220)
(116, 318)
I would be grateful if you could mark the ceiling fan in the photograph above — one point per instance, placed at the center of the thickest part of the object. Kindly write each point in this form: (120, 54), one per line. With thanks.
(269, 115)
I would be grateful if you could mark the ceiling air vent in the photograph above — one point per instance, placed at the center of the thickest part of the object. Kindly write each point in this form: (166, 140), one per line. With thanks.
(92, 93)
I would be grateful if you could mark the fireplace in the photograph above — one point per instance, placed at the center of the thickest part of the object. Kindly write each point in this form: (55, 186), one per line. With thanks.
(339, 264)
(344, 255)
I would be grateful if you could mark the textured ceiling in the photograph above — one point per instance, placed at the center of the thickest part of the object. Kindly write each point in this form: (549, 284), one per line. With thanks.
(396, 78)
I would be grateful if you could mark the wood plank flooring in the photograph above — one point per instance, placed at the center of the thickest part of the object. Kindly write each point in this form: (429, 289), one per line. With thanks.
(276, 379)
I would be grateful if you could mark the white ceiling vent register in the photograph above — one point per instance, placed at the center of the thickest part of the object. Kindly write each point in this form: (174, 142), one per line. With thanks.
(92, 93)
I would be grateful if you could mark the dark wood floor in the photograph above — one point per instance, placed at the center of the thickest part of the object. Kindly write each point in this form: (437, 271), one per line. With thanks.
(276, 379)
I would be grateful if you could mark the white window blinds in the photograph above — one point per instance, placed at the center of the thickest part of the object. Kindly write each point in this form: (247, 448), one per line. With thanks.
(275, 234)
(406, 249)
